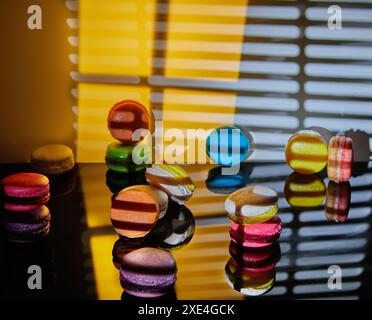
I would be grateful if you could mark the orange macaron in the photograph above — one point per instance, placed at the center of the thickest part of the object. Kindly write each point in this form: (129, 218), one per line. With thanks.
(135, 210)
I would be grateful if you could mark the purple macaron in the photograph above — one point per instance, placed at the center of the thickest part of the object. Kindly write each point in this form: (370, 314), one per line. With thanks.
(26, 226)
(148, 272)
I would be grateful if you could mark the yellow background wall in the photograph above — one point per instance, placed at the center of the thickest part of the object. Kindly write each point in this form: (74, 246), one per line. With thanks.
(35, 84)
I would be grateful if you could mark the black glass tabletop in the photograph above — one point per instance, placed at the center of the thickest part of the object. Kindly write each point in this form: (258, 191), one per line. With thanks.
(324, 251)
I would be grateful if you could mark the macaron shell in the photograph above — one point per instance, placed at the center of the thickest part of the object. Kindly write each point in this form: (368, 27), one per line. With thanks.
(53, 159)
(306, 152)
(254, 234)
(25, 185)
(15, 204)
(122, 158)
(136, 209)
(148, 272)
(127, 116)
(253, 204)
(222, 145)
(340, 159)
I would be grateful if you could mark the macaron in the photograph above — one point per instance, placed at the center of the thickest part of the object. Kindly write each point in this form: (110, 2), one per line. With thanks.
(127, 117)
(126, 158)
(340, 159)
(124, 245)
(247, 280)
(25, 191)
(304, 191)
(306, 152)
(136, 209)
(253, 204)
(148, 272)
(226, 184)
(172, 179)
(256, 235)
(117, 181)
(262, 259)
(175, 230)
(52, 159)
(26, 226)
(228, 145)
(338, 201)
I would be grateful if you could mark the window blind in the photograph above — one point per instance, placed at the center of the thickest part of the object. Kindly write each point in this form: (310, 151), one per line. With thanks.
(271, 66)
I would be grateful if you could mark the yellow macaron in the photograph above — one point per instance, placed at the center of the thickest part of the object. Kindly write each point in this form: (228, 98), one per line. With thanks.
(52, 159)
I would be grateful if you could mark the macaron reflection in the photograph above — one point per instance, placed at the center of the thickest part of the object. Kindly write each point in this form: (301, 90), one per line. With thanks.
(226, 184)
(172, 179)
(338, 201)
(304, 191)
(117, 181)
(175, 230)
(148, 272)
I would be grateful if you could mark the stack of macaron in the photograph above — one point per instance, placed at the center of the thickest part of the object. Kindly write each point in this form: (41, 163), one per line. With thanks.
(129, 122)
(172, 232)
(312, 150)
(25, 217)
(135, 210)
(254, 232)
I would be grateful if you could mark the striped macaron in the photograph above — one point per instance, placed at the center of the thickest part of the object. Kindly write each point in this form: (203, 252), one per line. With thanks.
(127, 116)
(306, 152)
(253, 204)
(340, 159)
(172, 179)
(135, 210)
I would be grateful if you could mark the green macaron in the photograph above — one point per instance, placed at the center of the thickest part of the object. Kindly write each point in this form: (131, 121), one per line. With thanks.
(120, 157)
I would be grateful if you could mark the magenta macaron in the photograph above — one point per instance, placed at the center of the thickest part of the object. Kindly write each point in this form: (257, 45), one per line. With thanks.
(256, 235)
(25, 191)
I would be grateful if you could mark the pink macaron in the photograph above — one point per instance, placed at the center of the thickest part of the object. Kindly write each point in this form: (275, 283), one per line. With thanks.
(25, 191)
(256, 235)
(340, 159)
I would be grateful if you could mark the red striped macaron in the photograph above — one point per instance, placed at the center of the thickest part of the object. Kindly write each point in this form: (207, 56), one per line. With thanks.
(25, 191)
(135, 210)
(340, 159)
(127, 116)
